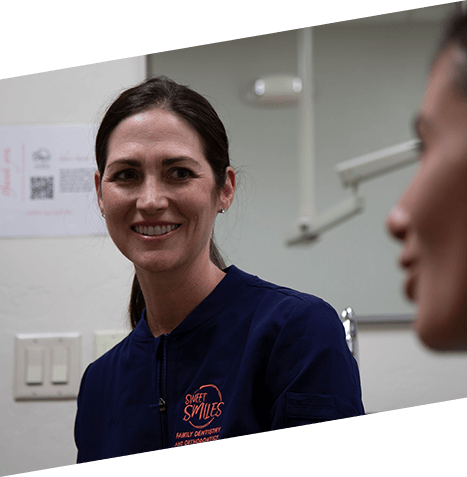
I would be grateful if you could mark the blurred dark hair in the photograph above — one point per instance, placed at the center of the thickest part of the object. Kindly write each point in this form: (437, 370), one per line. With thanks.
(161, 92)
(454, 30)
(454, 33)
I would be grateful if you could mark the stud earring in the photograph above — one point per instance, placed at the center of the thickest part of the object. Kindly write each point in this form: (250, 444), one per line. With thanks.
(103, 215)
(222, 210)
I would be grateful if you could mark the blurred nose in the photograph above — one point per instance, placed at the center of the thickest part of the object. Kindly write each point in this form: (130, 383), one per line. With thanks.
(397, 222)
(152, 197)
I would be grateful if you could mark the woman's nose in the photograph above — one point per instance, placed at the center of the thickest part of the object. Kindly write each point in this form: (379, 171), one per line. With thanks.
(152, 197)
(397, 222)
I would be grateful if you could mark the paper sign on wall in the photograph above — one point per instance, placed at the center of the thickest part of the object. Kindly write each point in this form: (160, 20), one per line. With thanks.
(47, 181)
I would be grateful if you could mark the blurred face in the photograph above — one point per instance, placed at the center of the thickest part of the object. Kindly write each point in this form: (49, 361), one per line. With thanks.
(430, 219)
(158, 193)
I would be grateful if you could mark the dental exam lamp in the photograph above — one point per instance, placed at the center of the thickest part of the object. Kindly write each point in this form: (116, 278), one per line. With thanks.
(285, 89)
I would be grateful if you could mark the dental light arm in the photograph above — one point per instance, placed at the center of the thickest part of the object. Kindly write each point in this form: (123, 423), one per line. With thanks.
(366, 167)
(351, 173)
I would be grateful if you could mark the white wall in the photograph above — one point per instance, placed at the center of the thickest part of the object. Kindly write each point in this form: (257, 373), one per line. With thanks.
(369, 81)
(61, 284)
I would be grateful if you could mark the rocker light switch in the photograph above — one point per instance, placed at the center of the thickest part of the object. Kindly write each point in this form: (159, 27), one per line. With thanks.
(34, 365)
(47, 366)
(59, 365)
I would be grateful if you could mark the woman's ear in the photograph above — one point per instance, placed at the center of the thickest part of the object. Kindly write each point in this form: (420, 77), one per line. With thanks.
(228, 189)
(97, 184)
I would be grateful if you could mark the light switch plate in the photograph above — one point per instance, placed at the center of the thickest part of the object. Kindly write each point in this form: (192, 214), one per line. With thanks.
(106, 340)
(47, 366)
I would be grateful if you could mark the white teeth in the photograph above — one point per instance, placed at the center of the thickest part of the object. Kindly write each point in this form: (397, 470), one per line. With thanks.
(155, 230)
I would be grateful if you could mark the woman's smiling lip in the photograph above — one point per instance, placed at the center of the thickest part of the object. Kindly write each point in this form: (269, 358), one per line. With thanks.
(410, 287)
(149, 230)
(409, 265)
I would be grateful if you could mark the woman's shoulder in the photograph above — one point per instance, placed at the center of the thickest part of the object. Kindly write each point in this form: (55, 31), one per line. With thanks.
(278, 291)
(284, 302)
(283, 315)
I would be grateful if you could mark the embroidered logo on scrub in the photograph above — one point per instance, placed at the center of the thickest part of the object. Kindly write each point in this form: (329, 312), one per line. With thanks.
(203, 406)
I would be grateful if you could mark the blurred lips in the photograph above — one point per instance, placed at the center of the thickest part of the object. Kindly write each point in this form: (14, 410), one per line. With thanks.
(410, 286)
(408, 264)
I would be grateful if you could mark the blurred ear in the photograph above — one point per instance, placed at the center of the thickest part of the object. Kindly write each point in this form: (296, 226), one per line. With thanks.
(97, 184)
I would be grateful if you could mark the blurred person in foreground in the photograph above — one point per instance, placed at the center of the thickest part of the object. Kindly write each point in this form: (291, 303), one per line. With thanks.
(430, 219)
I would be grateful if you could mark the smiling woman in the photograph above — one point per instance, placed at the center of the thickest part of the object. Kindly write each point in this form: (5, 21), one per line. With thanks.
(160, 199)
(184, 109)
(215, 352)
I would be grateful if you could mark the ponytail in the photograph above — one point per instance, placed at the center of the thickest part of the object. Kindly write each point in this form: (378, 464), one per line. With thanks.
(137, 303)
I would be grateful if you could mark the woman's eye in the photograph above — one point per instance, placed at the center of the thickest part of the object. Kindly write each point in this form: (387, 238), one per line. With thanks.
(126, 175)
(420, 147)
(181, 173)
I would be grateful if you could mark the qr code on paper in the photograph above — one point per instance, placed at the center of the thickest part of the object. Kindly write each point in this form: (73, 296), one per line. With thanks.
(42, 188)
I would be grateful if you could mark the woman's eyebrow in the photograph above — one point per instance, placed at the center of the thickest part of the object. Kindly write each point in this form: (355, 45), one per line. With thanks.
(165, 162)
(126, 162)
(174, 160)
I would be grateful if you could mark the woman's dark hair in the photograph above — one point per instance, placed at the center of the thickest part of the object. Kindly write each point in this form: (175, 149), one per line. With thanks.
(186, 104)
(454, 32)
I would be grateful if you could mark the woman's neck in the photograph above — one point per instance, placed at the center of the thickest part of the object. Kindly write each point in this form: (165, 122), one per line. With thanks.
(171, 296)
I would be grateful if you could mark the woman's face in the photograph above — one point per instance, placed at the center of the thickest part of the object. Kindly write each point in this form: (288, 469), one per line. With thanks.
(430, 218)
(158, 192)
